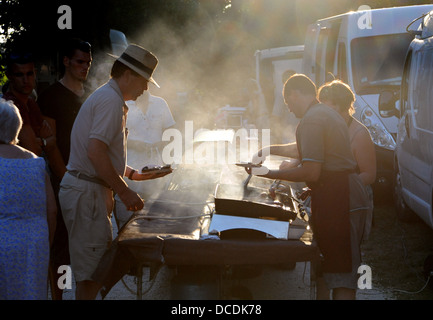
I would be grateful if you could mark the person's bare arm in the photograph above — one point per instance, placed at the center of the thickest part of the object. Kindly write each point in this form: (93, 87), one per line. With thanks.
(28, 140)
(98, 154)
(57, 165)
(52, 151)
(308, 172)
(289, 150)
(365, 156)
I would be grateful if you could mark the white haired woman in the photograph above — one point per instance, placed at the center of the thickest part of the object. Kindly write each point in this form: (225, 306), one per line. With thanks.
(27, 214)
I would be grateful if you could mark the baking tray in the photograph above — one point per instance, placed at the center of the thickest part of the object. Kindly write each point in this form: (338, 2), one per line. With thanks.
(252, 202)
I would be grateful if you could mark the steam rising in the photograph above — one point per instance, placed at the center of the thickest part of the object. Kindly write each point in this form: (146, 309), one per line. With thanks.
(198, 76)
(202, 73)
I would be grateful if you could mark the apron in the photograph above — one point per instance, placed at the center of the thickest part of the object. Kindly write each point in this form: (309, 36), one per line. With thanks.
(330, 221)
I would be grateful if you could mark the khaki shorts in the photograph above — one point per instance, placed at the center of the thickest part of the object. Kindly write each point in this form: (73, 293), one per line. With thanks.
(87, 215)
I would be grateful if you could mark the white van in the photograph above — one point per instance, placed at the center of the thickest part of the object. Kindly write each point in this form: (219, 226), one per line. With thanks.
(271, 65)
(414, 149)
(365, 49)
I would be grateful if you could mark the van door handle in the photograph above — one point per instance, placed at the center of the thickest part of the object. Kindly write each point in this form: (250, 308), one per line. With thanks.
(406, 125)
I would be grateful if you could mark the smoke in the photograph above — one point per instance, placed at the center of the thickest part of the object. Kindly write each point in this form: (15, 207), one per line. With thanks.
(201, 69)
(204, 69)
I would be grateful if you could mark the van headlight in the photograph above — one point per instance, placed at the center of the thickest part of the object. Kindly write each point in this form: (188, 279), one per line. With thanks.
(380, 136)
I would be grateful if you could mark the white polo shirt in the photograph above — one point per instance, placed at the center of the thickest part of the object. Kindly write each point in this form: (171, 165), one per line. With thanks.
(102, 116)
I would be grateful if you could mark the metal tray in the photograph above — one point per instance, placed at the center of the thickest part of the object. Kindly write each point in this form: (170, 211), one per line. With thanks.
(252, 202)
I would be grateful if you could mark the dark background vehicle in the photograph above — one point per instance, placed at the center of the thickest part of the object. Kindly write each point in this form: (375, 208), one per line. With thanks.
(365, 49)
(413, 157)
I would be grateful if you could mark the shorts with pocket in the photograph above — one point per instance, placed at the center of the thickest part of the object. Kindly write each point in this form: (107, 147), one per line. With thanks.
(87, 218)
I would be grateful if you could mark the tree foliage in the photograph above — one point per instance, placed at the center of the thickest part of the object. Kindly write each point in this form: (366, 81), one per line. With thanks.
(36, 21)
(194, 38)
(268, 23)
(33, 24)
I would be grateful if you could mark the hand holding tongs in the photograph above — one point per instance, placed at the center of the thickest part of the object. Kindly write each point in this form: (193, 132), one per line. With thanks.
(248, 166)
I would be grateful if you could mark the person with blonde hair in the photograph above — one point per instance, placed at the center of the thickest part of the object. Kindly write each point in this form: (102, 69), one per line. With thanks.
(339, 96)
(27, 214)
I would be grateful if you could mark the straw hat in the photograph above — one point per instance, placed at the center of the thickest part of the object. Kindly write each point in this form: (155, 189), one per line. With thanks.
(140, 60)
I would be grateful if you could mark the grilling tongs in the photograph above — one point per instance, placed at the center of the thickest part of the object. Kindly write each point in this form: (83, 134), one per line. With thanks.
(248, 165)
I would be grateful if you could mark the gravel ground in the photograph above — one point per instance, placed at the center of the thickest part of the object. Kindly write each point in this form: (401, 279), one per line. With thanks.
(274, 283)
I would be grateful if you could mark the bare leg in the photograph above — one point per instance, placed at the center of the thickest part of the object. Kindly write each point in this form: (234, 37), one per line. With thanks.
(322, 291)
(56, 292)
(343, 294)
(86, 290)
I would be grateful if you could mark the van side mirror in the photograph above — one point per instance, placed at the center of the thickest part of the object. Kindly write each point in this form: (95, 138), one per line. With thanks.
(416, 32)
(387, 104)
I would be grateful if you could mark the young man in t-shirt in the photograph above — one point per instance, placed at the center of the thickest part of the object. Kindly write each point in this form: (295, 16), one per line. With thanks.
(61, 103)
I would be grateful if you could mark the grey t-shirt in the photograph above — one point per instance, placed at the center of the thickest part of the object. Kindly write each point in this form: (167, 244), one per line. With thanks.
(322, 136)
(102, 116)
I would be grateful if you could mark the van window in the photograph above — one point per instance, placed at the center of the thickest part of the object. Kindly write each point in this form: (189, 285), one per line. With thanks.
(378, 61)
(330, 49)
(325, 56)
(319, 55)
(342, 63)
(405, 85)
(309, 58)
(422, 100)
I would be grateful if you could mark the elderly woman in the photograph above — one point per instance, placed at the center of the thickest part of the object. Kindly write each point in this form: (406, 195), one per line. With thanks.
(27, 214)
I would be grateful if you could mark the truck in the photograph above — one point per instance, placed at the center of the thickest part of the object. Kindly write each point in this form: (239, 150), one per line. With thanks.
(365, 49)
(271, 66)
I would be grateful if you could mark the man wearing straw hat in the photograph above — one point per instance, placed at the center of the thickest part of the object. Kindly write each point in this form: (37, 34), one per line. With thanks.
(97, 165)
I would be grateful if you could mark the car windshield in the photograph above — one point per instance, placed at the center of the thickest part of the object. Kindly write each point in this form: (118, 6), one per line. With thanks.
(377, 62)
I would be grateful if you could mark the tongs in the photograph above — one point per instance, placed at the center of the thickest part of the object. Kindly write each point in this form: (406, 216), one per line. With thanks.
(247, 180)
(248, 165)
